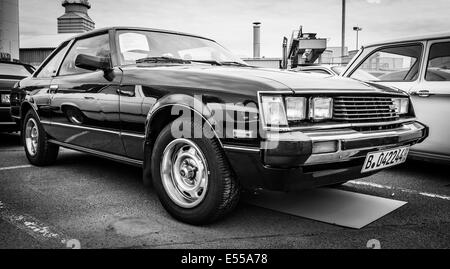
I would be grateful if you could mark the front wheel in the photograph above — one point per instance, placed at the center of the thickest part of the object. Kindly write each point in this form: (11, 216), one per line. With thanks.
(38, 150)
(192, 178)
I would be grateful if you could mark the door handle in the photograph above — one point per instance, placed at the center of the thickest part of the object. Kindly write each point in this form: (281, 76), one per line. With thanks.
(53, 89)
(421, 93)
(89, 98)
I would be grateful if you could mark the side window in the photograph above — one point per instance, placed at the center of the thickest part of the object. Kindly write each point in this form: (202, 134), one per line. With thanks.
(391, 64)
(93, 46)
(51, 67)
(438, 68)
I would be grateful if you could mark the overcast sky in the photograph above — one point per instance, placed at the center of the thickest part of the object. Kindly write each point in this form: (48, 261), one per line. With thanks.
(230, 21)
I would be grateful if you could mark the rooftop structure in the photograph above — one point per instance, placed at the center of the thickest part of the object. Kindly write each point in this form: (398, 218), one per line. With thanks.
(76, 18)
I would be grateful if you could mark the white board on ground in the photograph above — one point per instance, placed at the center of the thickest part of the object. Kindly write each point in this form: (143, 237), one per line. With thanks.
(334, 206)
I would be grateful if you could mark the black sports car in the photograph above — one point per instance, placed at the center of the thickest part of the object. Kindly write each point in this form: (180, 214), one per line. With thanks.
(202, 123)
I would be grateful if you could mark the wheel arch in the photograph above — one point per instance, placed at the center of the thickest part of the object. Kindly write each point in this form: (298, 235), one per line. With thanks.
(161, 115)
(25, 107)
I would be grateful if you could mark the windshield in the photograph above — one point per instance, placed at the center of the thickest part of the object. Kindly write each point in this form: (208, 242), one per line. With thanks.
(137, 46)
(14, 70)
(358, 74)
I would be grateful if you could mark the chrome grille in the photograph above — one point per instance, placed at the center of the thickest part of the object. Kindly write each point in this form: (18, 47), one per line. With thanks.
(364, 109)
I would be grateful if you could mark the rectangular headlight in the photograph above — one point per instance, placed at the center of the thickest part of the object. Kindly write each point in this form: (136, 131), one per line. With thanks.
(295, 108)
(273, 110)
(321, 108)
(401, 105)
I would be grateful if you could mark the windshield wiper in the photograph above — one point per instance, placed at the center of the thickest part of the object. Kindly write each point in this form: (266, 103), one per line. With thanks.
(234, 63)
(212, 62)
(162, 59)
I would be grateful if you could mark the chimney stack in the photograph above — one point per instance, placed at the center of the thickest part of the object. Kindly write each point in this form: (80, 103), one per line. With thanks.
(284, 60)
(256, 40)
(9, 30)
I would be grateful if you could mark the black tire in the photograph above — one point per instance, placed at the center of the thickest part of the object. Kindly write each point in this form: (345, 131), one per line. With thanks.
(223, 190)
(46, 153)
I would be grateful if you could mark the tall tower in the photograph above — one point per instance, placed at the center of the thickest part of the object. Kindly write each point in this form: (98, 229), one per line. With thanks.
(9, 29)
(76, 18)
(256, 40)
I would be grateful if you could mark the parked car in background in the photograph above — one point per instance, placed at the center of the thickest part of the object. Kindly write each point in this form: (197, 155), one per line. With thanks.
(333, 70)
(421, 67)
(202, 123)
(10, 74)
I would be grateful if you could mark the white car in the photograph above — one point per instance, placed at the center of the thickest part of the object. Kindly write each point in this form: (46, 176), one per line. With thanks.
(333, 70)
(421, 67)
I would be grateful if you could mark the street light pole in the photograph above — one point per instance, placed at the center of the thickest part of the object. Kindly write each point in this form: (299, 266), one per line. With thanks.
(357, 29)
(343, 32)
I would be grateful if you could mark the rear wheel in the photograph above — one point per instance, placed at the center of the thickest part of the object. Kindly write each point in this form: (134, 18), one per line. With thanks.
(192, 177)
(37, 148)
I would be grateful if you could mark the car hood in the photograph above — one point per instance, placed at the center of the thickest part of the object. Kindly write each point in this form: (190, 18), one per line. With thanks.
(262, 79)
(8, 82)
(301, 81)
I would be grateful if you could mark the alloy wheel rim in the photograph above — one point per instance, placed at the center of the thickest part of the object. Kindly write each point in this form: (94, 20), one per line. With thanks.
(32, 136)
(184, 173)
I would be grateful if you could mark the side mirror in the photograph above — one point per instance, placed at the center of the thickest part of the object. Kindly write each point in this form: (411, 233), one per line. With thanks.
(92, 63)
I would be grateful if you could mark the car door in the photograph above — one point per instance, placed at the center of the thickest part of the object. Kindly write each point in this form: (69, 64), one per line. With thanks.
(396, 65)
(85, 104)
(39, 84)
(135, 103)
(431, 98)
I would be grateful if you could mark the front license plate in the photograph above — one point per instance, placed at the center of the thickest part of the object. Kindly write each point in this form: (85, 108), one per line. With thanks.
(5, 99)
(383, 159)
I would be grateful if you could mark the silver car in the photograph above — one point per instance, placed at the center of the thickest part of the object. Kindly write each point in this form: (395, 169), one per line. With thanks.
(333, 70)
(421, 67)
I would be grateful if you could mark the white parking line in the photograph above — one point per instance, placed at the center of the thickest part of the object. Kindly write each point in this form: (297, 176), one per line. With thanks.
(37, 229)
(379, 186)
(15, 167)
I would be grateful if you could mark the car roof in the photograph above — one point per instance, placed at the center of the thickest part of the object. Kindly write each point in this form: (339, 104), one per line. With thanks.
(115, 28)
(439, 35)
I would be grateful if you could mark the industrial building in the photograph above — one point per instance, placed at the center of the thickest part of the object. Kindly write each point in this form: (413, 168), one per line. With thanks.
(257, 60)
(34, 50)
(303, 48)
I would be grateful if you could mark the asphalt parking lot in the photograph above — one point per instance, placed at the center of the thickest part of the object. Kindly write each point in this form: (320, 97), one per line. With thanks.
(103, 204)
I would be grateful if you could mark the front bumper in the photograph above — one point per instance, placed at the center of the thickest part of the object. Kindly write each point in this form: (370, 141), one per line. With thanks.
(285, 161)
(295, 148)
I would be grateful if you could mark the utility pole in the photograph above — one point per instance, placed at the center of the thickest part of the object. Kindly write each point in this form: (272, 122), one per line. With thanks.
(343, 31)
